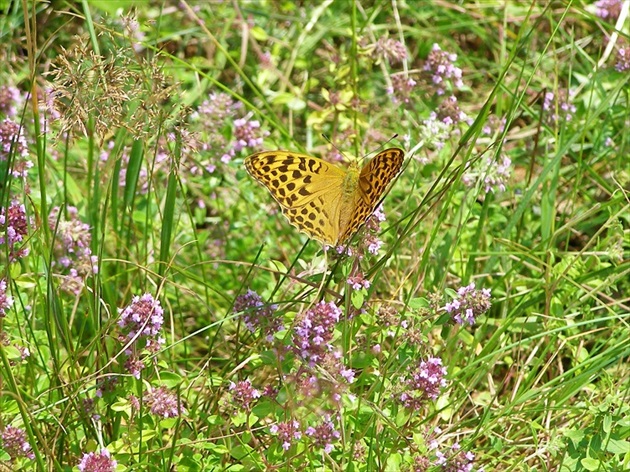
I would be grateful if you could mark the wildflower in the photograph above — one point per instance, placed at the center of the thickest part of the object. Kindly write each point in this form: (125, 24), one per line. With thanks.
(134, 366)
(140, 323)
(73, 255)
(449, 112)
(387, 316)
(257, 314)
(287, 432)
(469, 304)
(5, 300)
(163, 403)
(608, 9)
(134, 402)
(324, 434)
(422, 383)
(10, 100)
(439, 65)
(213, 115)
(370, 241)
(314, 331)
(106, 386)
(373, 243)
(14, 225)
(247, 134)
(401, 89)
(434, 133)
(559, 106)
(332, 363)
(456, 460)
(89, 408)
(13, 142)
(495, 174)
(143, 317)
(25, 352)
(623, 59)
(420, 463)
(243, 394)
(134, 32)
(493, 124)
(265, 60)
(217, 109)
(390, 49)
(358, 282)
(47, 103)
(15, 444)
(101, 462)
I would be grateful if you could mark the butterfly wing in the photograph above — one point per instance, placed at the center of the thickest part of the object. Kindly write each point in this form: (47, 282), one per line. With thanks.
(309, 190)
(373, 181)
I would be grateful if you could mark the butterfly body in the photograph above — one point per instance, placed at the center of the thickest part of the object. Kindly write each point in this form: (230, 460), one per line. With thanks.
(326, 202)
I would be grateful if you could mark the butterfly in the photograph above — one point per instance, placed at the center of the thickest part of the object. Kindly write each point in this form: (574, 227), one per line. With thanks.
(327, 202)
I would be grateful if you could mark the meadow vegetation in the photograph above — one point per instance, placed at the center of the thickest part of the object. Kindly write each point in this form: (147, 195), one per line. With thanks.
(158, 312)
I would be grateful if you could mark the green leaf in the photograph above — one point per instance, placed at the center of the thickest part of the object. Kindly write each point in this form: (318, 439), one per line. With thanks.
(591, 464)
(618, 446)
(358, 298)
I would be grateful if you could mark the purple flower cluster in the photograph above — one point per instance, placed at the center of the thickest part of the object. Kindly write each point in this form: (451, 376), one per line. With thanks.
(16, 223)
(287, 432)
(213, 114)
(13, 142)
(140, 323)
(48, 105)
(442, 124)
(15, 444)
(494, 124)
(134, 31)
(440, 65)
(163, 402)
(456, 460)
(72, 251)
(401, 89)
(314, 331)
(422, 383)
(257, 314)
(10, 100)
(143, 317)
(324, 434)
(370, 242)
(469, 304)
(494, 174)
(608, 9)
(217, 109)
(6, 301)
(97, 462)
(358, 282)
(449, 112)
(435, 133)
(559, 107)
(623, 59)
(391, 50)
(248, 134)
(243, 394)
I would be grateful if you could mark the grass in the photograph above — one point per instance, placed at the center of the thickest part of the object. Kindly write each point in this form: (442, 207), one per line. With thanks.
(159, 313)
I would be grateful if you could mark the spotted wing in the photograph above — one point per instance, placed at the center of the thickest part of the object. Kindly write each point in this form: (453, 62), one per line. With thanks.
(373, 181)
(308, 189)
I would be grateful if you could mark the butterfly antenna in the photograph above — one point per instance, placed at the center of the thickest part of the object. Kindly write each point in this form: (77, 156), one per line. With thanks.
(385, 143)
(341, 153)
